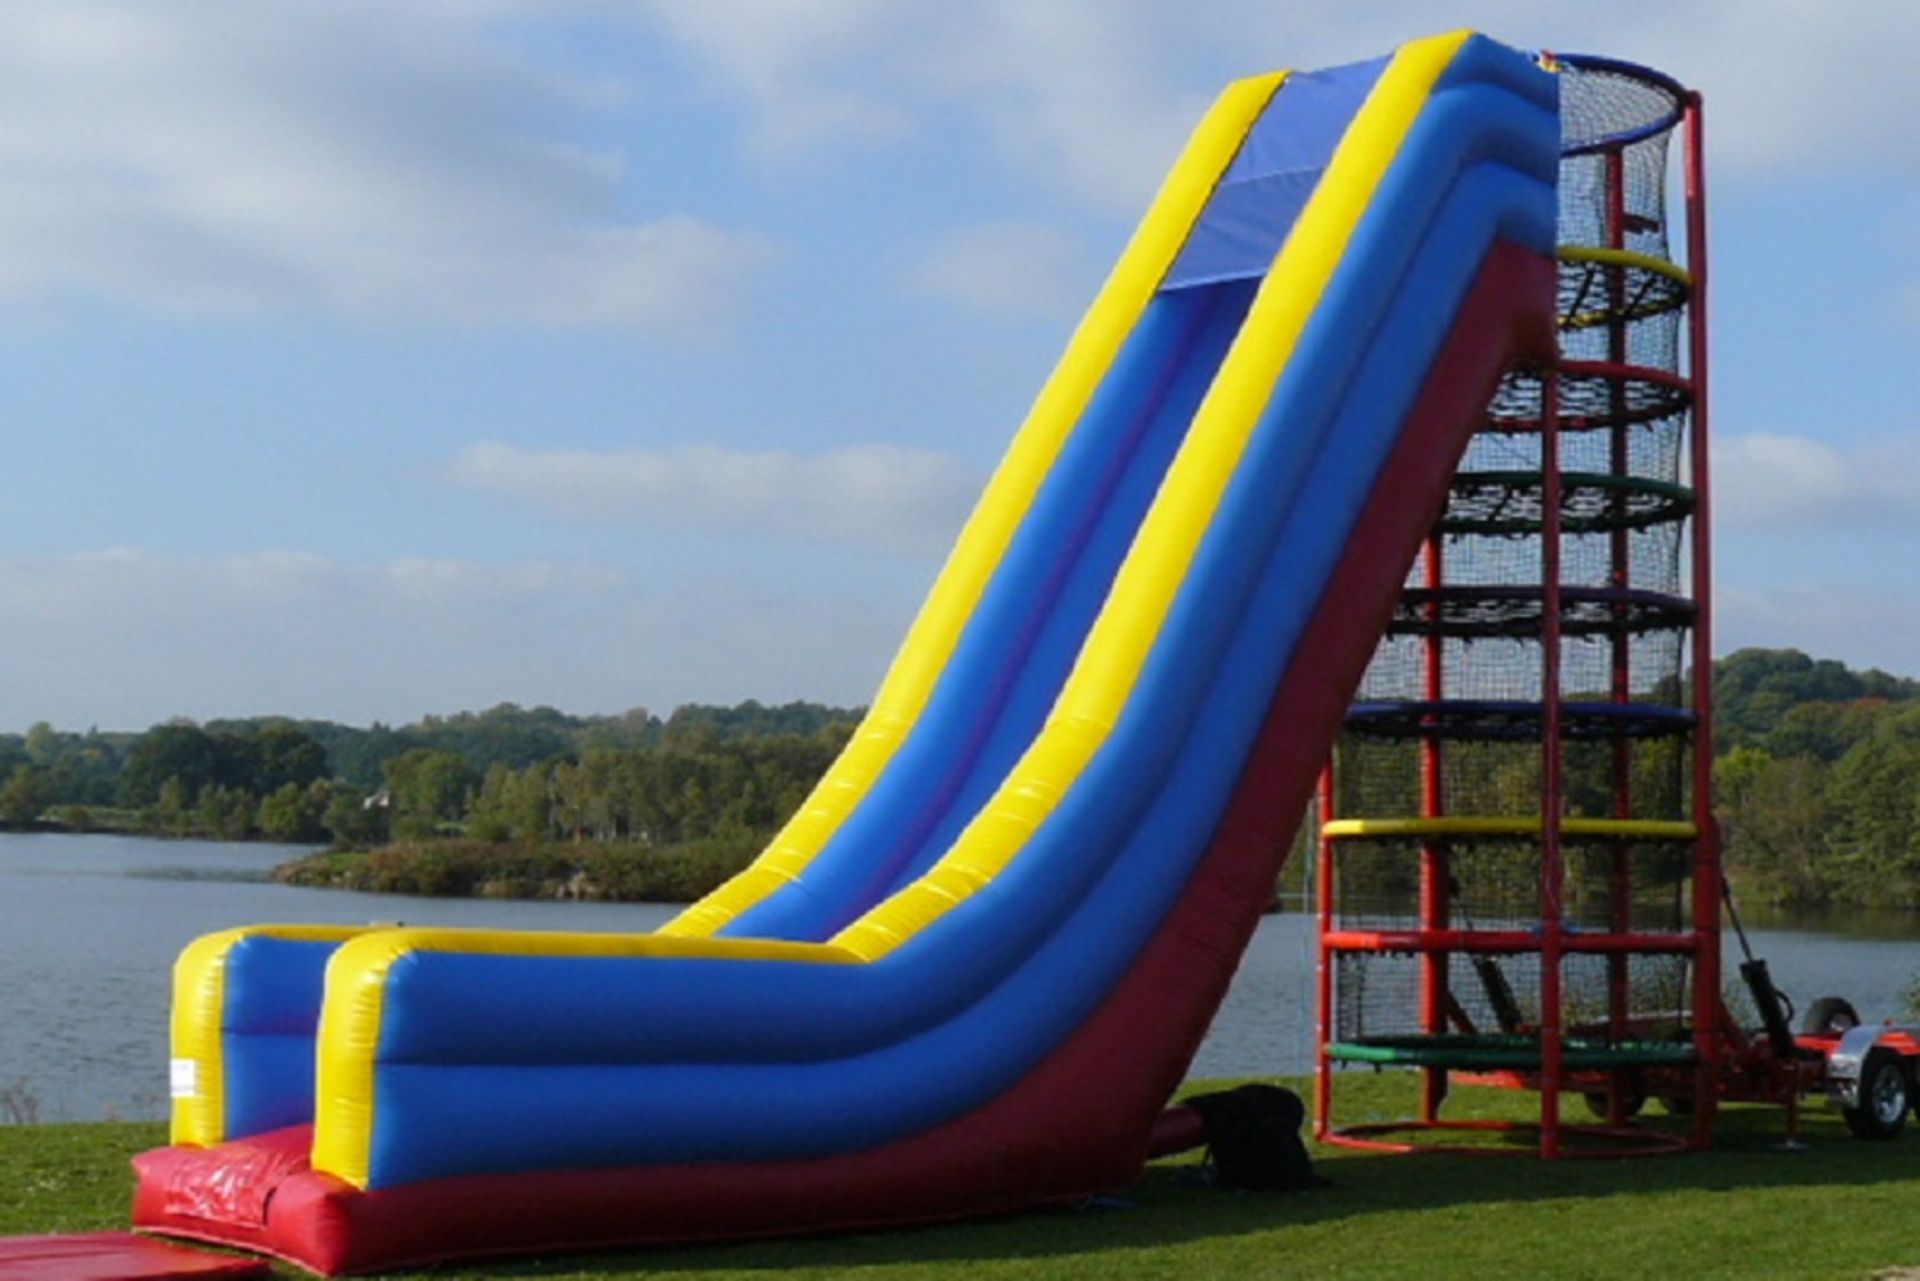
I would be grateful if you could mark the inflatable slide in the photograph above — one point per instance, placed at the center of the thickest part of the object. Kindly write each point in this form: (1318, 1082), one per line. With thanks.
(970, 972)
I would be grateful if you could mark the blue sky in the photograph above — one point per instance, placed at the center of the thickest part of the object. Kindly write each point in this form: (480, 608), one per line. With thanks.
(365, 361)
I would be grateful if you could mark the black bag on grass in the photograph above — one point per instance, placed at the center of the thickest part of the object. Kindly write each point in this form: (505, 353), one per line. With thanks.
(1253, 1138)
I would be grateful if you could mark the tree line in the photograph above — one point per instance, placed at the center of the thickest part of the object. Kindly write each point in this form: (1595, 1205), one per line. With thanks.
(1818, 780)
(505, 774)
(1817, 770)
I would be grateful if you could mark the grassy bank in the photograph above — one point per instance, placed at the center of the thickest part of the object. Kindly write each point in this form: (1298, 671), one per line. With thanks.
(614, 872)
(1842, 1208)
(619, 873)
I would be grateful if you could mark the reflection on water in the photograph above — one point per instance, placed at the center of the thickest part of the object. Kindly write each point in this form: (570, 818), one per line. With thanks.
(89, 927)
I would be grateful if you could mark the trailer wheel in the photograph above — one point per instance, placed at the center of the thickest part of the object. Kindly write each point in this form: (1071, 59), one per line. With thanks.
(1636, 1099)
(1830, 1014)
(1886, 1096)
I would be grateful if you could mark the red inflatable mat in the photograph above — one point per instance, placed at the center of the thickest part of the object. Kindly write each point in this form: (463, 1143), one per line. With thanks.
(114, 1256)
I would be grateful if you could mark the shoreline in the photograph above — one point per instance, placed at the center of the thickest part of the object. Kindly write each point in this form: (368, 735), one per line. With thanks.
(589, 872)
(53, 827)
(613, 872)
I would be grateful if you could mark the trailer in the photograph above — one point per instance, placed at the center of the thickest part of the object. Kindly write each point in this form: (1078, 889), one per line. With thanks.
(1868, 1072)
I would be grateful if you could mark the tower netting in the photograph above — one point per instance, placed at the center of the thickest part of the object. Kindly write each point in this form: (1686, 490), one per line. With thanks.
(1441, 766)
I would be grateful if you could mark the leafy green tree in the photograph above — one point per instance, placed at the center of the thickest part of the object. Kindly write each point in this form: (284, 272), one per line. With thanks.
(25, 795)
(177, 750)
(358, 755)
(704, 724)
(426, 787)
(1775, 822)
(512, 805)
(225, 812)
(86, 769)
(1737, 773)
(293, 814)
(636, 727)
(1822, 730)
(1755, 690)
(506, 734)
(355, 819)
(172, 807)
(529, 803)
(12, 755)
(44, 744)
(288, 757)
(1875, 793)
(488, 819)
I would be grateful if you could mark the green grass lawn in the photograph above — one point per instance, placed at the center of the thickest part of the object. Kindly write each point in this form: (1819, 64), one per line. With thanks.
(1840, 1208)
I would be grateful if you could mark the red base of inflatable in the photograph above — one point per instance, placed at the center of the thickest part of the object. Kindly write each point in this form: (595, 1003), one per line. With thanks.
(1081, 1122)
(114, 1256)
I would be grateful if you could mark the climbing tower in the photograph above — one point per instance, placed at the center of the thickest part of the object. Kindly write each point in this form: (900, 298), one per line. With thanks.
(1516, 880)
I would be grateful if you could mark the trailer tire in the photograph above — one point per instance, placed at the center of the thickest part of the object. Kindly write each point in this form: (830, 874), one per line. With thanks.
(1830, 1014)
(1886, 1096)
(1596, 1100)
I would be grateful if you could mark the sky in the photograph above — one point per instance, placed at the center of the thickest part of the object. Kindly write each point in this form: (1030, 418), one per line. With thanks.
(364, 361)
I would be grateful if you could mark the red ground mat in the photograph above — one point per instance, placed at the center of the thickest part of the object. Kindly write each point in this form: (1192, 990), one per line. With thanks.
(114, 1256)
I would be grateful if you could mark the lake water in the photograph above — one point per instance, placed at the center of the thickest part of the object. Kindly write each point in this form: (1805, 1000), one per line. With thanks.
(89, 927)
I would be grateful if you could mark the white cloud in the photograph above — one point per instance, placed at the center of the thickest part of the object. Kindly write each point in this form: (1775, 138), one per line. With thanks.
(377, 162)
(1762, 480)
(1866, 626)
(1095, 96)
(1793, 89)
(786, 60)
(85, 584)
(880, 496)
(420, 163)
(1016, 267)
(1072, 94)
(1091, 98)
(1783, 484)
(125, 638)
(1815, 87)
(1078, 93)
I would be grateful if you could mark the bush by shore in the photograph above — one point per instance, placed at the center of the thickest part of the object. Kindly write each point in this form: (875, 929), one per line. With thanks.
(615, 872)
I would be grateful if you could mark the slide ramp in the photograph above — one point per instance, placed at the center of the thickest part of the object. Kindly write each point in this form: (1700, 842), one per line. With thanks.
(971, 971)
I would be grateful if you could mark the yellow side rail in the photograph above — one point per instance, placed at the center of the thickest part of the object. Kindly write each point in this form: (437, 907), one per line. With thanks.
(1464, 825)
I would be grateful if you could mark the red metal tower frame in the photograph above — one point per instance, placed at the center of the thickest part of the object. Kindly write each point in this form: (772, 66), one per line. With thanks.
(1438, 938)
